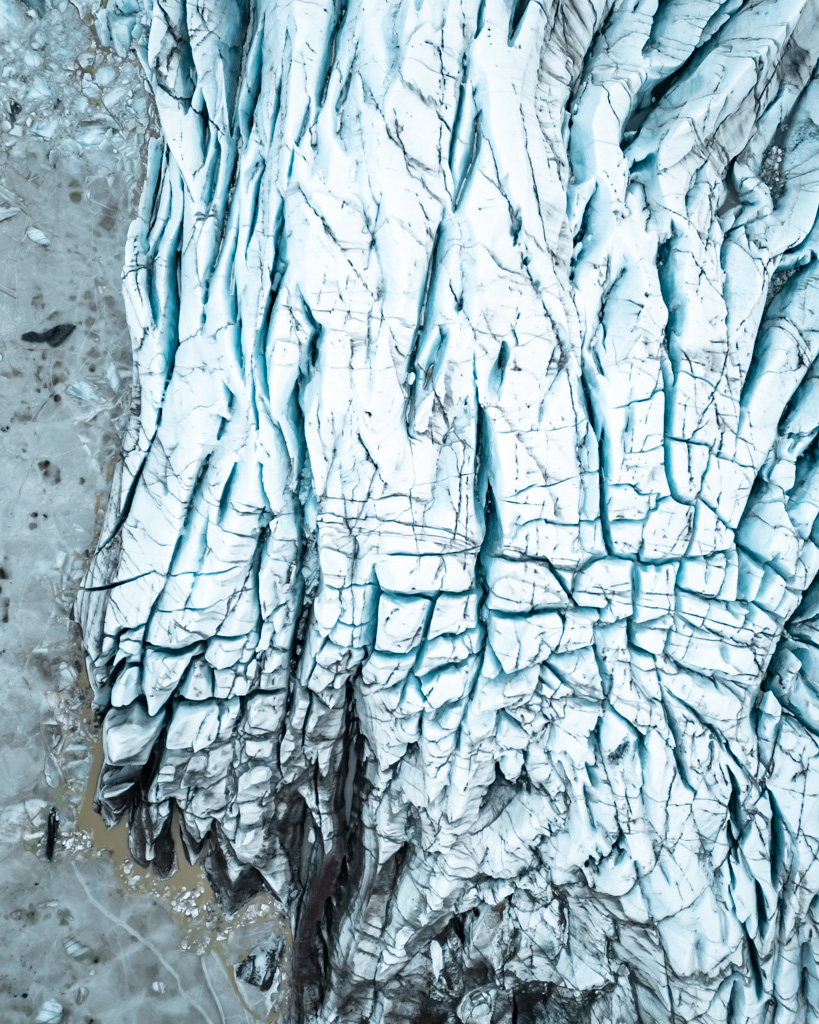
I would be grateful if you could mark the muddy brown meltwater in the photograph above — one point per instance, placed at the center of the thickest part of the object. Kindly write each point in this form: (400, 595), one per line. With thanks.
(186, 877)
(203, 927)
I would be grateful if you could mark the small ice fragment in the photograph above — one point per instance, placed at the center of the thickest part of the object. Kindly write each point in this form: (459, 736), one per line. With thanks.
(74, 948)
(38, 236)
(437, 954)
(90, 134)
(8, 211)
(158, 987)
(39, 90)
(113, 378)
(105, 76)
(114, 96)
(47, 130)
(51, 1012)
(84, 391)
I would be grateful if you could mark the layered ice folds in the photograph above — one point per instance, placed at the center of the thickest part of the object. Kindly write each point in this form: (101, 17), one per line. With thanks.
(457, 579)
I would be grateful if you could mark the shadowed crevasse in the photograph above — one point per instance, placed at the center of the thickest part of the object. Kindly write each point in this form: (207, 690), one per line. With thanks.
(457, 579)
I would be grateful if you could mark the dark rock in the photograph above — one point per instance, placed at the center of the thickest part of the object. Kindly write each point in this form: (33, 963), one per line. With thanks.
(54, 336)
(52, 830)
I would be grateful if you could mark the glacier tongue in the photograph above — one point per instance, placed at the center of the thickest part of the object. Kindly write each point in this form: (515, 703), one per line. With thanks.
(457, 579)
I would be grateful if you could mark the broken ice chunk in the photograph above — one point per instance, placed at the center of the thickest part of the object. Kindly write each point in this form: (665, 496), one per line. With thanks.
(128, 734)
(519, 641)
(85, 391)
(198, 681)
(453, 613)
(605, 582)
(127, 687)
(195, 724)
(401, 621)
(50, 1012)
(449, 684)
(519, 586)
(74, 948)
(161, 674)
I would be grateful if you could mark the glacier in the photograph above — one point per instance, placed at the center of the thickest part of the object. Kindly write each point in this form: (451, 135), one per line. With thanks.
(457, 582)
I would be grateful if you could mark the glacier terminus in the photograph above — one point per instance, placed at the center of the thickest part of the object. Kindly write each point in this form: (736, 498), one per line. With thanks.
(457, 584)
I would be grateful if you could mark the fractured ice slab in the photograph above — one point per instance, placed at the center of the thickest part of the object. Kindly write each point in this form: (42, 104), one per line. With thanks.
(457, 581)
